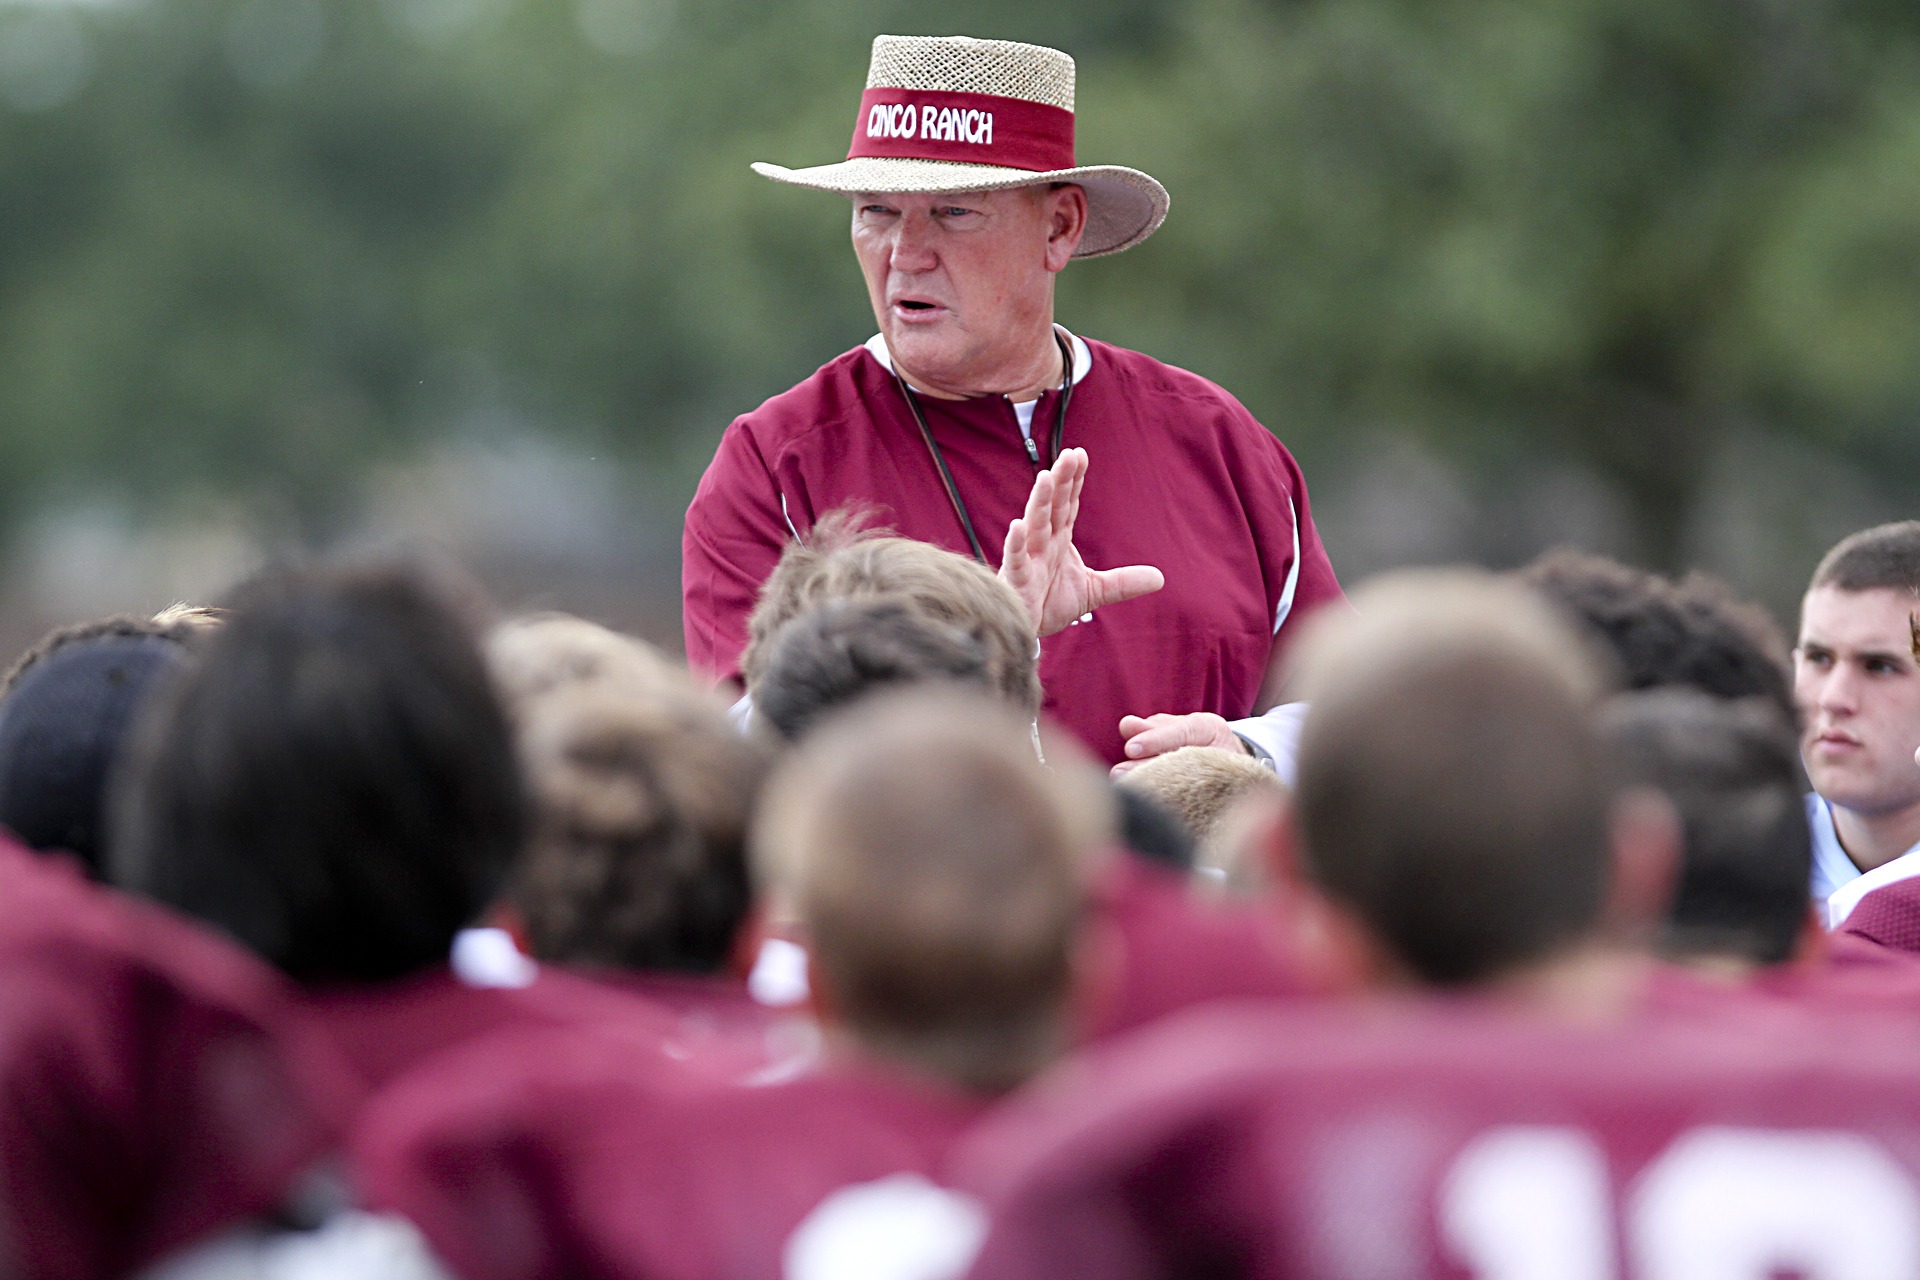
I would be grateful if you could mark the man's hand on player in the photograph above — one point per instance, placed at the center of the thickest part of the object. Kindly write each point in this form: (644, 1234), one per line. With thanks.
(1155, 735)
(1044, 568)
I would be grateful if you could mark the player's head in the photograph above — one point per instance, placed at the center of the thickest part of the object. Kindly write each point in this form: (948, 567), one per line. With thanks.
(333, 783)
(1204, 786)
(1453, 797)
(534, 654)
(66, 709)
(842, 561)
(1855, 676)
(1694, 632)
(1732, 771)
(938, 872)
(839, 651)
(641, 792)
(1153, 831)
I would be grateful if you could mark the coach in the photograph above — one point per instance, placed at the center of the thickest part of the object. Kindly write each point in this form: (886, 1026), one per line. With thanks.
(973, 421)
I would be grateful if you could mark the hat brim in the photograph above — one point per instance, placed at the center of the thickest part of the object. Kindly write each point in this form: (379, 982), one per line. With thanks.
(1124, 206)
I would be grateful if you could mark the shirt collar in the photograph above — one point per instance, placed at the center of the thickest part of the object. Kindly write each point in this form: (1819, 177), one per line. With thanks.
(1835, 878)
(1082, 354)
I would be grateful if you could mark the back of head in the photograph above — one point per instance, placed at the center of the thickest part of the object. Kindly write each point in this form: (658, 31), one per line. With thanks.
(1885, 557)
(641, 793)
(1153, 831)
(1451, 792)
(1732, 771)
(333, 783)
(939, 872)
(841, 561)
(535, 654)
(1694, 632)
(839, 651)
(66, 713)
(1202, 784)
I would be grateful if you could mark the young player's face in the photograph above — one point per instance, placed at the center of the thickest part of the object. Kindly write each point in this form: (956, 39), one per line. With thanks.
(1859, 692)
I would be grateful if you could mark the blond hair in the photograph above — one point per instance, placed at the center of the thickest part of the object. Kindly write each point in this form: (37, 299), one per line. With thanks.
(536, 653)
(842, 560)
(1201, 785)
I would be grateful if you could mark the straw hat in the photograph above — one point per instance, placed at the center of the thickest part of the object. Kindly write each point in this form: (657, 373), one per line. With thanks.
(950, 113)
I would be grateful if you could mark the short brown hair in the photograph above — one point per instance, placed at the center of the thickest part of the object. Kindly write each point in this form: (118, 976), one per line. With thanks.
(841, 559)
(939, 872)
(841, 651)
(1732, 771)
(1452, 793)
(1886, 556)
(641, 793)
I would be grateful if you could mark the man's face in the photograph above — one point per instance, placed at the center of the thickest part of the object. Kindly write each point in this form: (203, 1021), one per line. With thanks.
(1859, 693)
(962, 284)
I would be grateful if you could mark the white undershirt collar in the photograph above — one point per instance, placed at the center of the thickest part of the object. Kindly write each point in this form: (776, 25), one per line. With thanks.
(1082, 362)
(1022, 409)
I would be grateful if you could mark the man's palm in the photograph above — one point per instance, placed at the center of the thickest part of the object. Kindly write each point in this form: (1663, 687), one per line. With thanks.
(1044, 568)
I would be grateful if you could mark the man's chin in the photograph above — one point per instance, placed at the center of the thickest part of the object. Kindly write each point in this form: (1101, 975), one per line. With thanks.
(1862, 797)
(926, 358)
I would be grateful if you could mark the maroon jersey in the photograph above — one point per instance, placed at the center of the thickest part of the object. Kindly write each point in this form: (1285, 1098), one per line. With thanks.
(1182, 477)
(1889, 917)
(1172, 949)
(587, 1159)
(156, 1083)
(1459, 1142)
(715, 1026)
(386, 1029)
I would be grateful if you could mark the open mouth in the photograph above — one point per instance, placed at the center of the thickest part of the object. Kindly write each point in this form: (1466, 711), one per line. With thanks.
(908, 305)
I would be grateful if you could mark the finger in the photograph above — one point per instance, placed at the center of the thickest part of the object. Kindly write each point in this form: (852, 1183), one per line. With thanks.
(1200, 729)
(1068, 470)
(1038, 516)
(1124, 767)
(1080, 465)
(1016, 565)
(1060, 517)
(1111, 586)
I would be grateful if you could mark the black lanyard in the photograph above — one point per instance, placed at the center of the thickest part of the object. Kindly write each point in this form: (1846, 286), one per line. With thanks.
(1033, 450)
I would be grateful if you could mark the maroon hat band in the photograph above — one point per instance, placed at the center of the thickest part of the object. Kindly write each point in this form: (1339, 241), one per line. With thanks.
(970, 128)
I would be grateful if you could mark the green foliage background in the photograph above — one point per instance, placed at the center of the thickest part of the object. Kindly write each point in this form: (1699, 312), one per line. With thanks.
(254, 246)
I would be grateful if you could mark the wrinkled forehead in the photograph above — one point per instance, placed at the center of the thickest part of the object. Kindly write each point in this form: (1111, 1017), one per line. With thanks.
(1879, 620)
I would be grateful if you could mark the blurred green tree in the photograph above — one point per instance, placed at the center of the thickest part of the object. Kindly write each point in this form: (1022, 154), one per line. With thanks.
(255, 244)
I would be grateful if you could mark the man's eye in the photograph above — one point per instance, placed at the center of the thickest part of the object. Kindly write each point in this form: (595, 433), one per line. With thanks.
(955, 211)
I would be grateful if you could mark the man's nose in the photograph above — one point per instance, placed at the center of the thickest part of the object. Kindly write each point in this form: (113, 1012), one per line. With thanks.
(1838, 691)
(913, 248)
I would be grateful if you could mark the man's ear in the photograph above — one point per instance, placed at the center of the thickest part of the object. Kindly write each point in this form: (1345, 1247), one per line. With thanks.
(1065, 208)
(1333, 947)
(819, 1001)
(1813, 943)
(1279, 844)
(752, 936)
(1646, 841)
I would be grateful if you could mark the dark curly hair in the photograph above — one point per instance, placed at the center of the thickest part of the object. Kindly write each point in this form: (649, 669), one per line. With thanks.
(1694, 632)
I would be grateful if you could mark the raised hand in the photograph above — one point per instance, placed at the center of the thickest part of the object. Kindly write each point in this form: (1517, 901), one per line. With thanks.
(1044, 568)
